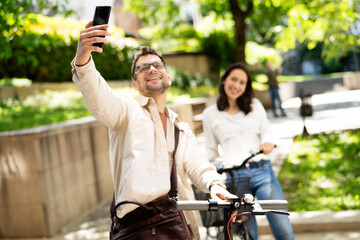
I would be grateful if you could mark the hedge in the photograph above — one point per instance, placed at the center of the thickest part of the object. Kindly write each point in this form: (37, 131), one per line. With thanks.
(44, 50)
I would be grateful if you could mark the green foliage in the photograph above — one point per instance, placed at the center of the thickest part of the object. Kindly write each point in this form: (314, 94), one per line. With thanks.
(114, 63)
(323, 172)
(326, 22)
(214, 35)
(220, 46)
(15, 17)
(266, 17)
(259, 54)
(44, 51)
(16, 82)
(40, 57)
(261, 22)
(183, 38)
(187, 80)
(164, 24)
(163, 12)
(280, 23)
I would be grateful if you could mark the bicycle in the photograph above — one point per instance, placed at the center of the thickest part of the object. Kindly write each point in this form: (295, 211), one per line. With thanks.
(260, 207)
(214, 219)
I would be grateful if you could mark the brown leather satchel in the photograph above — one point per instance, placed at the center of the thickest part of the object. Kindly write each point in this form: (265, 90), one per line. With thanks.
(155, 220)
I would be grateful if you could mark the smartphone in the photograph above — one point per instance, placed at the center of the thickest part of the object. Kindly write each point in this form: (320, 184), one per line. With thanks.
(101, 16)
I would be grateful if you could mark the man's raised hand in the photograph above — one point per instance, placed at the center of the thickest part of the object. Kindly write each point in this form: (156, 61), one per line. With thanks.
(88, 36)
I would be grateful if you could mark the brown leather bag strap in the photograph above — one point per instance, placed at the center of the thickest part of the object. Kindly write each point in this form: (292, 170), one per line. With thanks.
(133, 202)
(173, 177)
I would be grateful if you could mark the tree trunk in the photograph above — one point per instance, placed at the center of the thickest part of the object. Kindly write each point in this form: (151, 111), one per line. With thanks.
(356, 61)
(240, 38)
(239, 17)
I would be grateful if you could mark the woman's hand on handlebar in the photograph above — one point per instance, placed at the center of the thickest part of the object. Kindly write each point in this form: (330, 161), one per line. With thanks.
(267, 147)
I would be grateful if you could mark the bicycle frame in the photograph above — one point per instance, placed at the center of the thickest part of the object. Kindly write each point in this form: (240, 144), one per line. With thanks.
(228, 210)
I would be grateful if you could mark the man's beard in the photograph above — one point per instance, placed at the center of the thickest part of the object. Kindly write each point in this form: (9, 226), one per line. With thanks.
(154, 90)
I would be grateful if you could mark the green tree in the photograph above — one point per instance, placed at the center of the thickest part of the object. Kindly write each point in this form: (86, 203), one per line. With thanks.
(15, 17)
(255, 15)
(331, 23)
(164, 24)
(280, 23)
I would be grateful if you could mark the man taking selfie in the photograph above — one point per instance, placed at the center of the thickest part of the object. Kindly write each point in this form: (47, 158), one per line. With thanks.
(142, 132)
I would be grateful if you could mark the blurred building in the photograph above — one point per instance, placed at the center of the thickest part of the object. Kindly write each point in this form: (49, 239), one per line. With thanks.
(128, 21)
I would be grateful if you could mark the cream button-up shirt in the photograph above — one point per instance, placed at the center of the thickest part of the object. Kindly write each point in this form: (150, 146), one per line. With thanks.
(140, 154)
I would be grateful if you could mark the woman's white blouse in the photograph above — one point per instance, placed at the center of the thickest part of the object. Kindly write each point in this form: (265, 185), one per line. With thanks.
(238, 135)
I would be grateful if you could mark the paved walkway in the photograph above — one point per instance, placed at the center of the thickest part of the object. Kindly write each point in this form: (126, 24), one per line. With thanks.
(332, 112)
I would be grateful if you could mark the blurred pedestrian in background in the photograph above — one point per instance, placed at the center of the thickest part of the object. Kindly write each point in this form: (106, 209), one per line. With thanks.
(272, 73)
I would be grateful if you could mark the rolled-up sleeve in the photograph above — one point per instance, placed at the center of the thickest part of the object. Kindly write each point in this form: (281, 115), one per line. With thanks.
(98, 96)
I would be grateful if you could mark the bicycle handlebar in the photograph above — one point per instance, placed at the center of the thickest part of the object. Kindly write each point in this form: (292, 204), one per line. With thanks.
(210, 205)
(222, 169)
(260, 207)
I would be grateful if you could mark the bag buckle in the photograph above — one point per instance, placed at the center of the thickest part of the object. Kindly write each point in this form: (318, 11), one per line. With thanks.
(114, 221)
(175, 197)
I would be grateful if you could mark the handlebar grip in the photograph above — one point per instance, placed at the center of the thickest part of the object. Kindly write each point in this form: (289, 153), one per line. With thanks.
(208, 205)
(272, 204)
(192, 205)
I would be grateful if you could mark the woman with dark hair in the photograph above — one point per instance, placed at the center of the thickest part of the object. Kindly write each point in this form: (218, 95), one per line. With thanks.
(238, 123)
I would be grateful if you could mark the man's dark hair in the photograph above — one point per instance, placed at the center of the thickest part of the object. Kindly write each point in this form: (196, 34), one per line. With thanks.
(143, 51)
(244, 101)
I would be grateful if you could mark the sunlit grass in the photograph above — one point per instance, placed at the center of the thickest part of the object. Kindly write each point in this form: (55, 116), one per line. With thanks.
(323, 172)
(40, 109)
(55, 106)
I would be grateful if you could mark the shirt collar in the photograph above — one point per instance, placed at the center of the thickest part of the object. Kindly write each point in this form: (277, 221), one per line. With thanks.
(143, 101)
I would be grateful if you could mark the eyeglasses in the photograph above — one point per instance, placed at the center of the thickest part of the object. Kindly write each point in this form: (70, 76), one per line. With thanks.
(145, 67)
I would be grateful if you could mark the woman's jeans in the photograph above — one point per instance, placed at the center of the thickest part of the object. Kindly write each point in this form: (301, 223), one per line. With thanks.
(264, 186)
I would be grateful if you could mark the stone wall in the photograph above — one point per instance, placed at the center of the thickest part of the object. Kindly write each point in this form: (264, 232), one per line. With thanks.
(50, 175)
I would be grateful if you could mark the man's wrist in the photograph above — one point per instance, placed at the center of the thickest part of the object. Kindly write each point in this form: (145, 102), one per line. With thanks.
(217, 182)
(81, 63)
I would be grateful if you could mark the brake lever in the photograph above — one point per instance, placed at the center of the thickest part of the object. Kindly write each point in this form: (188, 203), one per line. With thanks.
(266, 212)
(257, 210)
